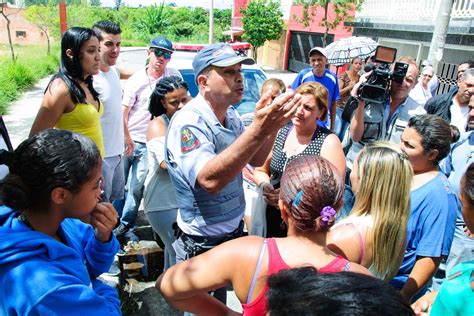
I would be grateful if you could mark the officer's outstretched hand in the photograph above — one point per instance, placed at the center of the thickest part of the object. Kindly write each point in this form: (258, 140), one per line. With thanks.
(271, 115)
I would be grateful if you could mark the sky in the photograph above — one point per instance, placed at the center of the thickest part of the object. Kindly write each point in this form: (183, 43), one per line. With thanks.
(218, 4)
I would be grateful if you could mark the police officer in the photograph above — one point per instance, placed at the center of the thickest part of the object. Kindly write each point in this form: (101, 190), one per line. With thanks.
(207, 149)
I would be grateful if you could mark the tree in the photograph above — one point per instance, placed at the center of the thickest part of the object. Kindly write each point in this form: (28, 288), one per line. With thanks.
(223, 18)
(262, 22)
(341, 13)
(45, 18)
(3, 5)
(95, 3)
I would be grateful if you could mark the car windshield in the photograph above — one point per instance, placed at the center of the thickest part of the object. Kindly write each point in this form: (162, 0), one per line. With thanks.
(253, 81)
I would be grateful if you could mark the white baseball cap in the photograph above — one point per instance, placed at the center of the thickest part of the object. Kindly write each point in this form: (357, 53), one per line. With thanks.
(321, 50)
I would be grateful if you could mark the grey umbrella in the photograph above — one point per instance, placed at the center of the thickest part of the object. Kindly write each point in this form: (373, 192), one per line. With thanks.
(343, 50)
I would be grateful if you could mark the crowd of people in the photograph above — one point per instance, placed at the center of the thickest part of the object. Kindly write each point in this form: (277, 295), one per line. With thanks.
(375, 225)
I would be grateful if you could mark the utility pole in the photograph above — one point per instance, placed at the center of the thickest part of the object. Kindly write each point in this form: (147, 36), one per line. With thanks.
(62, 16)
(211, 22)
(439, 34)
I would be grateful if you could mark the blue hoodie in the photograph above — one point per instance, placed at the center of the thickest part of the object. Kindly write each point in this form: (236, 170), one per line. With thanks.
(42, 276)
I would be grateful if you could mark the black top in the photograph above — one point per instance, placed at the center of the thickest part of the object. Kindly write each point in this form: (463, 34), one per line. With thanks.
(279, 158)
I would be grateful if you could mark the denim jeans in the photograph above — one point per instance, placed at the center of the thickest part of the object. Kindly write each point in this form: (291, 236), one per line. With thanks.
(137, 165)
(462, 250)
(341, 126)
(162, 223)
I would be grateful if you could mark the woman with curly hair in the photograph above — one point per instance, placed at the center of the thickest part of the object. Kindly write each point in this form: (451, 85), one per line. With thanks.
(50, 260)
(159, 196)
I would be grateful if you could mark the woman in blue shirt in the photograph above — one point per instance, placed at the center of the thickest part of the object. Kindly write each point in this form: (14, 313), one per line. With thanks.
(426, 140)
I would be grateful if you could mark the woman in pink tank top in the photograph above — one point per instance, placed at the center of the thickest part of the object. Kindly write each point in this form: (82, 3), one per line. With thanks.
(311, 193)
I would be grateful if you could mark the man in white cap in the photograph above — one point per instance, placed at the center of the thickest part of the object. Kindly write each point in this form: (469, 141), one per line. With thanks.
(319, 73)
(207, 148)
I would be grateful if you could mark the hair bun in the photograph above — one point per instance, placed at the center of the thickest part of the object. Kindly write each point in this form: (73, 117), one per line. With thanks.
(7, 157)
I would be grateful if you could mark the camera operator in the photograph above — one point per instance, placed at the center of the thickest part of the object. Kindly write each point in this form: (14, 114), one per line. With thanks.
(374, 121)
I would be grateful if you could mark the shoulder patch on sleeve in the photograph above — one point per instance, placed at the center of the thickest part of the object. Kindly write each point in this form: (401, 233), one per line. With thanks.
(189, 141)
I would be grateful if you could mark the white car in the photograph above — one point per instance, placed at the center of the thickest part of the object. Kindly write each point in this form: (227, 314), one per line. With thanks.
(254, 76)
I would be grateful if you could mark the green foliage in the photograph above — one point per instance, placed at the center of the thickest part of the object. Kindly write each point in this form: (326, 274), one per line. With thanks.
(139, 25)
(151, 22)
(341, 11)
(95, 3)
(223, 18)
(84, 16)
(46, 18)
(31, 65)
(180, 15)
(184, 29)
(262, 21)
(200, 16)
(52, 2)
(8, 93)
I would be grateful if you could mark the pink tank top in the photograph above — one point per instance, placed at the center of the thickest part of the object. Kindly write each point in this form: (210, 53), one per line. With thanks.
(275, 263)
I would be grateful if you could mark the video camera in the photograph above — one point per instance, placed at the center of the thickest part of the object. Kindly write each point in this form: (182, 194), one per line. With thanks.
(376, 88)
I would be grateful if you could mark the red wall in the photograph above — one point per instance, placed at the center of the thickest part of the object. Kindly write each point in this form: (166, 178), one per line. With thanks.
(339, 32)
(294, 26)
(236, 16)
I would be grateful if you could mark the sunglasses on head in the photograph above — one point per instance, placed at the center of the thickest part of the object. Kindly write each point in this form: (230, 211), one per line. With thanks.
(162, 53)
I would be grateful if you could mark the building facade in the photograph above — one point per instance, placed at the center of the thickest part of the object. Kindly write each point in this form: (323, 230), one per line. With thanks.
(21, 30)
(408, 26)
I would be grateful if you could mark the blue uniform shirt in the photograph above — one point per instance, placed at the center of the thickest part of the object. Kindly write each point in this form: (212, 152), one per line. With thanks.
(190, 146)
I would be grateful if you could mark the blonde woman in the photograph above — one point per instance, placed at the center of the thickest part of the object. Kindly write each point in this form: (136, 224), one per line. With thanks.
(374, 233)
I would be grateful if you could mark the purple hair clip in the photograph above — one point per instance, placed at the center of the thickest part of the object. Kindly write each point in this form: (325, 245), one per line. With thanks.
(327, 213)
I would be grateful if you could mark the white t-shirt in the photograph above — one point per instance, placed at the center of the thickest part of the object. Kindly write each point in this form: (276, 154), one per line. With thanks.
(136, 96)
(420, 94)
(107, 84)
(459, 116)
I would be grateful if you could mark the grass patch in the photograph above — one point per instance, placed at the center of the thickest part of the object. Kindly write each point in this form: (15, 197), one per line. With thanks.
(32, 64)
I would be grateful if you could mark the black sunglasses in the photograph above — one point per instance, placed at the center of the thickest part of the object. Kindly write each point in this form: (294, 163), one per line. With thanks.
(162, 53)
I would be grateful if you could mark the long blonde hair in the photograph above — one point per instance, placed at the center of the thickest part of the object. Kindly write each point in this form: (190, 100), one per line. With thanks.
(385, 175)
